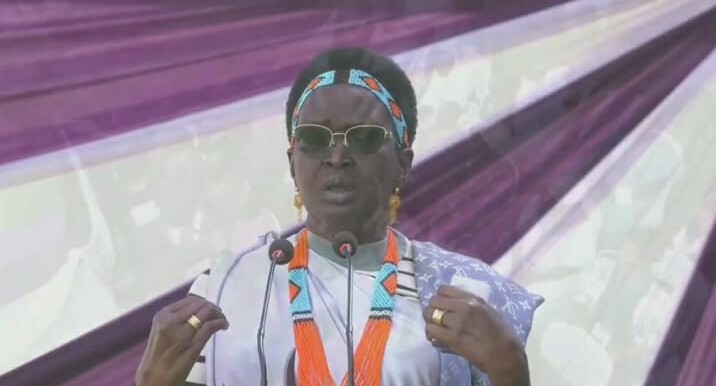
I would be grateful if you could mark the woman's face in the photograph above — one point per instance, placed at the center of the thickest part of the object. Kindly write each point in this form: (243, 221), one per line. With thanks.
(341, 185)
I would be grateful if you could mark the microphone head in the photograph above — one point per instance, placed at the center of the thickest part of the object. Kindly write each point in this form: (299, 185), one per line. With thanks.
(345, 244)
(281, 251)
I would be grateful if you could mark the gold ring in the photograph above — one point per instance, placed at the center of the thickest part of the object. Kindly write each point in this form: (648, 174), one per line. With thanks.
(437, 317)
(195, 322)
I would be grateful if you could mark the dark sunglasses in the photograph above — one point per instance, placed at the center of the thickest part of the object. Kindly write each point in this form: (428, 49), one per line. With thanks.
(362, 139)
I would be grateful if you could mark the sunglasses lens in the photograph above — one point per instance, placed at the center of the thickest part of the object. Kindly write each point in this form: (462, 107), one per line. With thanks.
(311, 138)
(365, 139)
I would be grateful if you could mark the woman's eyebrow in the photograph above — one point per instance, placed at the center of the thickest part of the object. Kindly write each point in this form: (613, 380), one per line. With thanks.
(329, 124)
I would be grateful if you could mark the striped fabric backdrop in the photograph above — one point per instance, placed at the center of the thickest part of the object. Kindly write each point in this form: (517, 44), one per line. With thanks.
(568, 143)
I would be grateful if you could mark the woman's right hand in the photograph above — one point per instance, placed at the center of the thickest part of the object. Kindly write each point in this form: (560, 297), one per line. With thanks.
(174, 345)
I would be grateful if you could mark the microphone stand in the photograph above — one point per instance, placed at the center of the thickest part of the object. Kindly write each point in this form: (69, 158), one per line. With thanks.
(349, 323)
(262, 325)
(345, 244)
(280, 253)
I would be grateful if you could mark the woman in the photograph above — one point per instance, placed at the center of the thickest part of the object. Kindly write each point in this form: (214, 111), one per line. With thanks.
(422, 315)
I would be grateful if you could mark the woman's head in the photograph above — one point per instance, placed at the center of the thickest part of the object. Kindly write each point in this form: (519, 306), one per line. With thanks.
(369, 102)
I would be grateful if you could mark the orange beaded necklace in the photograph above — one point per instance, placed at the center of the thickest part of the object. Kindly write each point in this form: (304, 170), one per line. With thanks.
(312, 364)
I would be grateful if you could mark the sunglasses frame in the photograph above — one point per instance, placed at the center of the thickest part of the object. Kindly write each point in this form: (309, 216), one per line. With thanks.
(388, 135)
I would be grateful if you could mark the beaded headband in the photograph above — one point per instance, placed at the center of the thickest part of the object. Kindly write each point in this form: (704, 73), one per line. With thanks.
(366, 81)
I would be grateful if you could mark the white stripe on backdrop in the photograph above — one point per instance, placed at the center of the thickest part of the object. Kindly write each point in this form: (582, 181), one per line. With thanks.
(508, 66)
(614, 256)
(155, 207)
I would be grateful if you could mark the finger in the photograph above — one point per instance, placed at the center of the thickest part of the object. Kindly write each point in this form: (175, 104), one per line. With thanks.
(454, 292)
(175, 326)
(442, 303)
(205, 332)
(165, 320)
(182, 315)
(193, 308)
(209, 311)
(206, 313)
(438, 334)
(457, 312)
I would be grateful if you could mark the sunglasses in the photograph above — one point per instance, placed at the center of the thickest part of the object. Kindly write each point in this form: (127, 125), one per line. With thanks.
(362, 139)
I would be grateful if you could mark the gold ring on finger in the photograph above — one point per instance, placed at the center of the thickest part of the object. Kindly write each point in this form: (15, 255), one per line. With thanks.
(195, 322)
(437, 317)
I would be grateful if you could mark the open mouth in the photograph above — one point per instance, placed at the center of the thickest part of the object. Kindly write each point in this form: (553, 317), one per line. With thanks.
(338, 191)
(337, 184)
(338, 188)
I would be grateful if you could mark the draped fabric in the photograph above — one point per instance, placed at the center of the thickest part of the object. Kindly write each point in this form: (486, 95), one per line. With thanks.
(687, 356)
(111, 91)
(524, 163)
(106, 72)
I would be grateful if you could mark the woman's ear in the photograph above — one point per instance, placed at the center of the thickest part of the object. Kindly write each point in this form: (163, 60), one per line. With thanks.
(289, 154)
(405, 157)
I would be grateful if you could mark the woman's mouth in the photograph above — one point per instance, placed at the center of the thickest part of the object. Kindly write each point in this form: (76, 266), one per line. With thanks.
(338, 188)
(337, 192)
(339, 196)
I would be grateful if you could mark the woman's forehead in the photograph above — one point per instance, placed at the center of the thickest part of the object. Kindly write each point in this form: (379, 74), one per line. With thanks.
(341, 106)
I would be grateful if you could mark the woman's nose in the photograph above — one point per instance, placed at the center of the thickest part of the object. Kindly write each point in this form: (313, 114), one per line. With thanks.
(338, 155)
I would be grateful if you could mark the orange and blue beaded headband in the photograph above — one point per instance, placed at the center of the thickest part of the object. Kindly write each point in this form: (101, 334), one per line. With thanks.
(361, 79)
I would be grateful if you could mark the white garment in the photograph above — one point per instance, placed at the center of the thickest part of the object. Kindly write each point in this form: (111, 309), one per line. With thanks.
(409, 359)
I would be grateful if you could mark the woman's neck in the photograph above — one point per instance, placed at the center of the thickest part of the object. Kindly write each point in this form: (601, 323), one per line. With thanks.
(369, 257)
(365, 233)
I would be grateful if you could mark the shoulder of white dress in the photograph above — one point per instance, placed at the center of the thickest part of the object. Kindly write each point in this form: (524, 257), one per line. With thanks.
(433, 250)
(408, 244)
(200, 286)
(224, 264)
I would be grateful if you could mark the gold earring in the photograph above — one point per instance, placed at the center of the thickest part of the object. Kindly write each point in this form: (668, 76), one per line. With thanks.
(298, 203)
(394, 206)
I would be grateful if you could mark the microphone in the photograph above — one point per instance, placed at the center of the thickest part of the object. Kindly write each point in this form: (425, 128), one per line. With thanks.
(345, 245)
(280, 252)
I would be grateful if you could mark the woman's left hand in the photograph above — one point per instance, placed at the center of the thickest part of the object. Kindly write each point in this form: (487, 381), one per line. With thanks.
(474, 330)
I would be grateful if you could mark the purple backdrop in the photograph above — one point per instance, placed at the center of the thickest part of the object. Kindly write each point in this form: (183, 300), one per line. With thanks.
(99, 74)
(482, 194)
(688, 354)
(477, 197)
